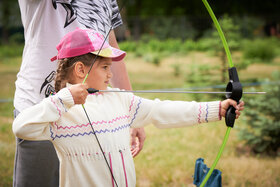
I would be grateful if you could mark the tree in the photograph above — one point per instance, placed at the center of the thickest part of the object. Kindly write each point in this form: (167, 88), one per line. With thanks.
(262, 131)
(233, 37)
(9, 17)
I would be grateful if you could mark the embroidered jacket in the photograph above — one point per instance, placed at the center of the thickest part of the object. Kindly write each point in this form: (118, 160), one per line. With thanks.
(57, 119)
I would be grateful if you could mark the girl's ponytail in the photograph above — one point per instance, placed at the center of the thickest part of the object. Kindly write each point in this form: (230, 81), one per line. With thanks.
(61, 74)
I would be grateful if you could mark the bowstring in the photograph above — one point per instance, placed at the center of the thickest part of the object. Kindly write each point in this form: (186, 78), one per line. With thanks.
(94, 60)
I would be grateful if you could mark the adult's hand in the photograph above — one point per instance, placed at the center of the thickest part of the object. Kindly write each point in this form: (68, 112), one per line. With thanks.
(138, 137)
(121, 80)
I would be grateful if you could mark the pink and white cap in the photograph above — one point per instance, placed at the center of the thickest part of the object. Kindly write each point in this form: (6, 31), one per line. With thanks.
(83, 41)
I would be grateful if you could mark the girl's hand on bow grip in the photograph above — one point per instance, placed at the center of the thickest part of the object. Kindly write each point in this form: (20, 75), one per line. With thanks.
(229, 102)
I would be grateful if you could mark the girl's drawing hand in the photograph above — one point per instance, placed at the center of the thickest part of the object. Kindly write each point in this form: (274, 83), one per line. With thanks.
(79, 93)
(229, 102)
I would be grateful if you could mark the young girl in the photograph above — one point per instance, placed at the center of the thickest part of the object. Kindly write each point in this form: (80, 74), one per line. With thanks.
(61, 118)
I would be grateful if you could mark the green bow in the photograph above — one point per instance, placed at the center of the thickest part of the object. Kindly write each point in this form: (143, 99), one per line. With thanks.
(222, 36)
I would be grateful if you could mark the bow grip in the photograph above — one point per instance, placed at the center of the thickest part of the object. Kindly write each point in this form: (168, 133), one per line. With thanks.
(235, 89)
(92, 90)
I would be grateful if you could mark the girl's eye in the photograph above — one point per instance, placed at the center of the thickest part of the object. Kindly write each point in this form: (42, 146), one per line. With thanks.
(105, 67)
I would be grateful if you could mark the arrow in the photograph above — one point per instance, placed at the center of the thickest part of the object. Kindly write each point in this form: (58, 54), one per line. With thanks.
(92, 90)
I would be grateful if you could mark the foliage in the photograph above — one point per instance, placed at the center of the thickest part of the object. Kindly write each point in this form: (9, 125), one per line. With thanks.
(233, 36)
(154, 58)
(152, 49)
(176, 69)
(260, 50)
(250, 27)
(262, 132)
(196, 72)
(154, 45)
(14, 50)
(150, 44)
(17, 38)
(128, 46)
(189, 45)
(170, 27)
(9, 18)
(198, 75)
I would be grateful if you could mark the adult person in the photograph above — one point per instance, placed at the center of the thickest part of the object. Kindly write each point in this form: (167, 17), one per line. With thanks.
(45, 22)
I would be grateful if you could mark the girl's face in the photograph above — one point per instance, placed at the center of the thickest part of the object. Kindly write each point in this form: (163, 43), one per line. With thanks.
(100, 74)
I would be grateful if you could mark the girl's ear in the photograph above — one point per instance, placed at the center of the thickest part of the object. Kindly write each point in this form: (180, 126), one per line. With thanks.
(80, 70)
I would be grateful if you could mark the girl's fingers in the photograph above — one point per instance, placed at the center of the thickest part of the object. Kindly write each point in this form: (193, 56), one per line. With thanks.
(241, 104)
(237, 113)
(229, 102)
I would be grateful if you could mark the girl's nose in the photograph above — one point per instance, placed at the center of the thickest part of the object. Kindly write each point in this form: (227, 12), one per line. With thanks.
(110, 74)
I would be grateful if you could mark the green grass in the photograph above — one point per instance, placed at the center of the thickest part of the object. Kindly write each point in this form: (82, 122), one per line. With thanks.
(169, 155)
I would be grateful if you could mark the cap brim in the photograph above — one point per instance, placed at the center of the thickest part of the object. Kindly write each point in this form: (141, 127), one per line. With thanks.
(111, 52)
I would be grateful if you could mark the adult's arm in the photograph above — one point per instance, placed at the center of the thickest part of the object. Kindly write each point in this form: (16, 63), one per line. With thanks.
(121, 80)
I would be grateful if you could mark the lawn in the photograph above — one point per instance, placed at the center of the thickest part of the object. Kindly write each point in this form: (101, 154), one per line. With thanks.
(169, 155)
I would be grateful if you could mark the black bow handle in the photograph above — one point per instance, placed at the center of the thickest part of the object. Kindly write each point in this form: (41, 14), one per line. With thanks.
(235, 89)
(92, 90)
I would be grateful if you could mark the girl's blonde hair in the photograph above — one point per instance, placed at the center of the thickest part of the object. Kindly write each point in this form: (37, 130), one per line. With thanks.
(65, 67)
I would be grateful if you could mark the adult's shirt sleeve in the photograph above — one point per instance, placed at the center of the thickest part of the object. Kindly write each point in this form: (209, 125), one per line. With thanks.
(34, 123)
(116, 16)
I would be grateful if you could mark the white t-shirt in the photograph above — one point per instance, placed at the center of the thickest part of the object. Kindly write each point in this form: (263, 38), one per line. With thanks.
(45, 22)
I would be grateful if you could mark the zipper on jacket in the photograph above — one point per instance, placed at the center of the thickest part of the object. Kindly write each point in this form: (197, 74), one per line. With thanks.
(124, 168)
(111, 167)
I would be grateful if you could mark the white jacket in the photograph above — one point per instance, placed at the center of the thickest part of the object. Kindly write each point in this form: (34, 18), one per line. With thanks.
(57, 119)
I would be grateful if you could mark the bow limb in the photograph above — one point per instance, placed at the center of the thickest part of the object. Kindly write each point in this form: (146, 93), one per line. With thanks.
(234, 86)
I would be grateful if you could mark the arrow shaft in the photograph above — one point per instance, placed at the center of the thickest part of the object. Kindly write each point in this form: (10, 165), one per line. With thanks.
(168, 91)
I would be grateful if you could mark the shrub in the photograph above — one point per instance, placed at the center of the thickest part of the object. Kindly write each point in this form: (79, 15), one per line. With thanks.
(176, 69)
(17, 38)
(173, 45)
(153, 58)
(8, 51)
(189, 45)
(259, 50)
(207, 44)
(128, 46)
(155, 45)
(199, 74)
(170, 27)
(233, 37)
(262, 132)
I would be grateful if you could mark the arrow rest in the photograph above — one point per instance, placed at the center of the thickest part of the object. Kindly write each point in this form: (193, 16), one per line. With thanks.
(92, 90)
(235, 89)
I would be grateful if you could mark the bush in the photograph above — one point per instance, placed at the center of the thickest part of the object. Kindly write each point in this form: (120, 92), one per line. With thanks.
(17, 38)
(189, 45)
(170, 27)
(128, 46)
(8, 51)
(176, 69)
(152, 45)
(173, 45)
(155, 45)
(262, 132)
(207, 44)
(153, 58)
(259, 50)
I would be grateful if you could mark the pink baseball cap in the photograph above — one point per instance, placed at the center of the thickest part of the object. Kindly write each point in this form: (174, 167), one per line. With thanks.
(83, 41)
